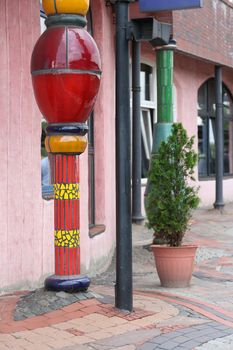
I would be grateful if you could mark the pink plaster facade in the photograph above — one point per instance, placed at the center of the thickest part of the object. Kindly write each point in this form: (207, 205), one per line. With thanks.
(189, 75)
(26, 219)
(96, 251)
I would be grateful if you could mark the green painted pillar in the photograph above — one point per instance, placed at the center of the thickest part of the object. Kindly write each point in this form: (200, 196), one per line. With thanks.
(164, 62)
(162, 129)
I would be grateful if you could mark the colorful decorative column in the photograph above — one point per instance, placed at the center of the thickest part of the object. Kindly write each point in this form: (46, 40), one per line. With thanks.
(65, 68)
(162, 129)
(164, 62)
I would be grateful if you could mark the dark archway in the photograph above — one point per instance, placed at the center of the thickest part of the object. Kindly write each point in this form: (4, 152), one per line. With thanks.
(207, 129)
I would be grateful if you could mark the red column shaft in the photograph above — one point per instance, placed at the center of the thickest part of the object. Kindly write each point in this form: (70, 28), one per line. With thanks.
(66, 215)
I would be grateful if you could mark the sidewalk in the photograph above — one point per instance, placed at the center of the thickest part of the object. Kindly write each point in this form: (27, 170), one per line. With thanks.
(199, 317)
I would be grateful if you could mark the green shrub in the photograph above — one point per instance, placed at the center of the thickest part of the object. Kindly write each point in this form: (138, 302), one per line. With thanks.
(171, 196)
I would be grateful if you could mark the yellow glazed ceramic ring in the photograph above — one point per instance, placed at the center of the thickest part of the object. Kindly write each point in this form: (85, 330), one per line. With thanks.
(66, 144)
(52, 7)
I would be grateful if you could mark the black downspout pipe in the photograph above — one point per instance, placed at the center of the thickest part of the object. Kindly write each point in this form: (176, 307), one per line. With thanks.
(137, 158)
(124, 281)
(219, 203)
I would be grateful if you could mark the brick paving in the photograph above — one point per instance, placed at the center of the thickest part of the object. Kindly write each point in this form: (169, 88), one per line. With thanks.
(39, 302)
(188, 338)
(94, 324)
(199, 317)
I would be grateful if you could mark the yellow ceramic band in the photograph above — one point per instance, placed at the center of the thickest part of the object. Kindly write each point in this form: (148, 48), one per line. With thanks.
(65, 238)
(66, 144)
(79, 7)
(66, 191)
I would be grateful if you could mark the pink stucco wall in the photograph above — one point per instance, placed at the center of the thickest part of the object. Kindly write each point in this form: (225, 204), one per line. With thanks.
(25, 231)
(26, 221)
(97, 249)
(191, 28)
(189, 75)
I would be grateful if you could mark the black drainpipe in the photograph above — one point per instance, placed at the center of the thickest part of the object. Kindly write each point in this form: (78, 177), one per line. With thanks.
(124, 283)
(219, 203)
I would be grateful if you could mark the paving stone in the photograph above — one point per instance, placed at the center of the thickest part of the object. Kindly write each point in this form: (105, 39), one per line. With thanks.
(185, 347)
(57, 305)
(4, 347)
(90, 295)
(185, 330)
(62, 295)
(169, 345)
(219, 334)
(132, 337)
(171, 335)
(40, 301)
(219, 331)
(192, 334)
(43, 302)
(205, 338)
(74, 347)
(229, 331)
(127, 347)
(223, 328)
(225, 343)
(181, 339)
(191, 343)
(99, 346)
(183, 311)
(82, 297)
(147, 346)
(159, 340)
(18, 317)
(204, 326)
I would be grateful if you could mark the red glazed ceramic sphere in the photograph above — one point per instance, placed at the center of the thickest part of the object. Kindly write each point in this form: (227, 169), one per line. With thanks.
(65, 69)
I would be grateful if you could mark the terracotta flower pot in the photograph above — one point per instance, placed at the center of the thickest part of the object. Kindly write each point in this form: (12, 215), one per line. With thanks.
(174, 264)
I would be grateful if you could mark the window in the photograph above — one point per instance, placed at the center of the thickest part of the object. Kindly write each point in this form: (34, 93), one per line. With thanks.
(91, 150)
(148, 115)
(207, 130)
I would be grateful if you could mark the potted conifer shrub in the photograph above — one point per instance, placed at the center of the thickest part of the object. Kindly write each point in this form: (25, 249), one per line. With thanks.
(170, 201)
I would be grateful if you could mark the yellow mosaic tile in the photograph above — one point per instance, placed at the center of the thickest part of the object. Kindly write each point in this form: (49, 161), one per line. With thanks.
(64, 238)
(66, 191)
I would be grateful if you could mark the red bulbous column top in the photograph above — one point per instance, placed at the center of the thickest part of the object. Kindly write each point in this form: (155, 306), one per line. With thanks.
(66, 70)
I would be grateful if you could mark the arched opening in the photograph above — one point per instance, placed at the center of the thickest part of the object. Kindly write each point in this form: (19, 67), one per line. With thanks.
(207, 130)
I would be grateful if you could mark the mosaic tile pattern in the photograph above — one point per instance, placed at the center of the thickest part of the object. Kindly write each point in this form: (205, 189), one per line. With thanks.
(65, 238)
(66, 191)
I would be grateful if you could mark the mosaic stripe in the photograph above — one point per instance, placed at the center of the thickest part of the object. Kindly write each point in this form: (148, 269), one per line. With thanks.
(67, 238)
(64, 191)
(66, 218)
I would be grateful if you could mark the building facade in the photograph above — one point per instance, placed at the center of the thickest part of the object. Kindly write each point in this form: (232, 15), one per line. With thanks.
(204, 40)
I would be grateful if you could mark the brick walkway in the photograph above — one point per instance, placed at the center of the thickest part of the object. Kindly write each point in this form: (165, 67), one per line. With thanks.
(156, 323)
(199, 317)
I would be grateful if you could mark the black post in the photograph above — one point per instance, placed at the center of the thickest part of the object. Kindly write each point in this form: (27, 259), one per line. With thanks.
(219, 204)
(137, 158)
(124, 283)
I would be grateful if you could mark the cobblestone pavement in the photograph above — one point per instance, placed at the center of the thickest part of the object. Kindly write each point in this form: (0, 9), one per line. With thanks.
(199, 317)
(39, 302)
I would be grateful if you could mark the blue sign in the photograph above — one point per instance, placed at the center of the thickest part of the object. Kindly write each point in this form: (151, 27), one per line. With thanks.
(168, 5)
